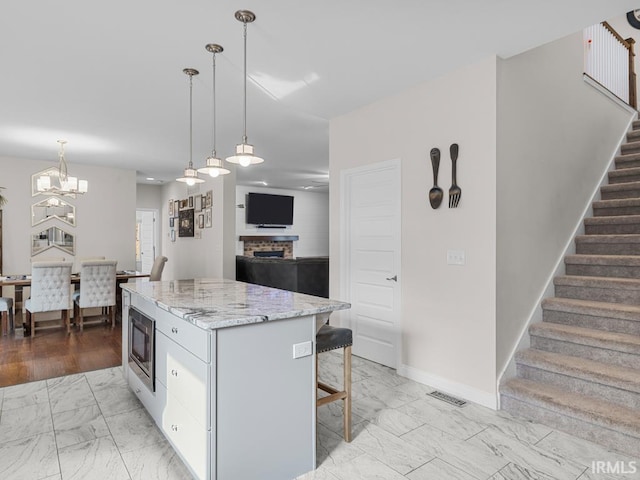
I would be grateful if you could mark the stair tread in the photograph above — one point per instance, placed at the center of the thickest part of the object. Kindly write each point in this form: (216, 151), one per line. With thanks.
(594, 259)
(597, 372)
(625, 171)
(614, 187)
(615, 238)
(575, 405)
(599, 282)
(617, 202)
(612, 219)
(615, 310)
(621, 342)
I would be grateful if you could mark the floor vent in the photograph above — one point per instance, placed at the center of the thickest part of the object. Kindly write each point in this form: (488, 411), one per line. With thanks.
(447, 398)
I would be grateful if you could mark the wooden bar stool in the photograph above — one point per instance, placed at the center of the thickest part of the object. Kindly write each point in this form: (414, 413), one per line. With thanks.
(331, 338)
(6, 310)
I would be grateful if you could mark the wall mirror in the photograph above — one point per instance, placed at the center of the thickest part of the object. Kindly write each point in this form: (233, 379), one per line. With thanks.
(53, 207)
(52, 237)
(47, 182)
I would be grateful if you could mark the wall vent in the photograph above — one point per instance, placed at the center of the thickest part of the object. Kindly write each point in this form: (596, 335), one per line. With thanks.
(447, 398)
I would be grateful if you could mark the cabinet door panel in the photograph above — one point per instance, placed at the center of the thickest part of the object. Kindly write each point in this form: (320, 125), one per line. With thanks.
(191, 440)
(185, 377)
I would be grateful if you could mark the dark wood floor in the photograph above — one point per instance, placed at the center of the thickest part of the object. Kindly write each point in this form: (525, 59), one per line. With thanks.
(52, 353)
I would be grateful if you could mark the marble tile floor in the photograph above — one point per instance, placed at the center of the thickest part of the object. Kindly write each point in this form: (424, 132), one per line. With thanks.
(90, 426)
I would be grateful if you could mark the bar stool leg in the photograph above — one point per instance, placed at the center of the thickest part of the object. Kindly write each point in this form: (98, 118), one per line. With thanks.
(347, 388)
(5, 323)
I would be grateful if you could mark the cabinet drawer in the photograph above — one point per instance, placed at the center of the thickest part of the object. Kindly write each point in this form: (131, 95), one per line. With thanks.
(153, 402)
(185, 377)
(194, 339)
(190, 440)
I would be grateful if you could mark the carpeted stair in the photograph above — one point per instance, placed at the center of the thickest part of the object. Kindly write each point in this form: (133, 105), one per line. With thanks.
(582, 371)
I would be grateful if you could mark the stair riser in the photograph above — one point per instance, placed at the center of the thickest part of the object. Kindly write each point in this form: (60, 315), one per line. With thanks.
(599, 294)
(612, 357)
(578, 385)
(613, 229)
(603, 271)
(589, 321)
(580, 428)
(616, 179)
(606, 194)
(616, 211)
(633, 136)
(593, 248)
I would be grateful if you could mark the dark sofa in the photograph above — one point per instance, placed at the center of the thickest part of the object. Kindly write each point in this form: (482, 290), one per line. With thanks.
(308, 275)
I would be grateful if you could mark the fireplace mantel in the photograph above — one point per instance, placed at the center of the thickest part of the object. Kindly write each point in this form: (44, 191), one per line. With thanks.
(272, 238)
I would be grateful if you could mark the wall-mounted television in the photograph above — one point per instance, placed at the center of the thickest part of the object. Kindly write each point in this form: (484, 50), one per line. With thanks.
(268, 209)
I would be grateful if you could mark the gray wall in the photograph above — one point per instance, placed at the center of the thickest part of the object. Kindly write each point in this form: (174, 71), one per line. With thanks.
(556, 136)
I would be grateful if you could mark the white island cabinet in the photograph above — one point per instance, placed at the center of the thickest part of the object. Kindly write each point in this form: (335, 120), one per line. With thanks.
(234, 380)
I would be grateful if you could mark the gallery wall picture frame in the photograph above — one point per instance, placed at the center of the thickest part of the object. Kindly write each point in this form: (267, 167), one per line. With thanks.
(207, 218)
(173, 235)
(198, 234)
(190, 201)
(197, 203)
(171, 208)
(185, 224)
(184, 204)
(201, 221)
(171, 222)
(176, 208)
(209, 196)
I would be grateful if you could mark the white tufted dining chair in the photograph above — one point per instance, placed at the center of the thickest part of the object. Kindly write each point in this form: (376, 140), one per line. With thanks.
(50, 291)
(97, 289)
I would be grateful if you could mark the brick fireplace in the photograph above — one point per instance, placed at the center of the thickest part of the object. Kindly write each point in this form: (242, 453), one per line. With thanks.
(268, 243)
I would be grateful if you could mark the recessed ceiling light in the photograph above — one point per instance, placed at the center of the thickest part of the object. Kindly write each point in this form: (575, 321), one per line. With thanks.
(150, 178)
(264, 183)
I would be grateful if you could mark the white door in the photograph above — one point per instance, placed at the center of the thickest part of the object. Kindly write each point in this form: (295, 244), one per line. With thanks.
(145, 239)
(371, 270)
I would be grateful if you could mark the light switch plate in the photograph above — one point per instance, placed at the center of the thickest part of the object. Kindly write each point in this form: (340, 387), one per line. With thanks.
(455, 257)
(303, 349)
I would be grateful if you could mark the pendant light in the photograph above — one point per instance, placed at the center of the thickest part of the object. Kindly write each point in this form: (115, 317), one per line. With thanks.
(244, 152)
(214, 166)
(190, 174)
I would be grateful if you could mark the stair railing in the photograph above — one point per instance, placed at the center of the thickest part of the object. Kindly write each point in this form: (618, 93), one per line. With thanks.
(609, 60)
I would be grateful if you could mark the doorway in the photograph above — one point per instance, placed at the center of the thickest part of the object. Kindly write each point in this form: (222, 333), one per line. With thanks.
(370, 241)
(146, 239)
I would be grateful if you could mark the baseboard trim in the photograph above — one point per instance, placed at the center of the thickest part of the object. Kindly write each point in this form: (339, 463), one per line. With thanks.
(486, 399)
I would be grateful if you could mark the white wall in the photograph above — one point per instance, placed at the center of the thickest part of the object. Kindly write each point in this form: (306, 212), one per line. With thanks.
(556, 136)
(190, 257)
(149, 197)
(310, 221)
(105, 215)
(448, 312)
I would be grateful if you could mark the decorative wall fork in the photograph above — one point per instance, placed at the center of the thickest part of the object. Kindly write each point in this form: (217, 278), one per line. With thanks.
(454, 192)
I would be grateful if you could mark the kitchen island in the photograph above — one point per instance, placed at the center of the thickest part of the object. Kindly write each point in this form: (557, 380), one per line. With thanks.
(232, 383)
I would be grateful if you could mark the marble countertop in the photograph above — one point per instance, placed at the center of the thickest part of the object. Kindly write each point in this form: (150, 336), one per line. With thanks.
(212, 303)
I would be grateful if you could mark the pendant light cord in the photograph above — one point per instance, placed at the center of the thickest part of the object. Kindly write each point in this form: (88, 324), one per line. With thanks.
(244, 136)
(62, 165)
(213, 152)
(190, 121)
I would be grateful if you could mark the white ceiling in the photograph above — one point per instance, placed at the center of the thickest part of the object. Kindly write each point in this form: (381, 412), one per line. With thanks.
(107, 76)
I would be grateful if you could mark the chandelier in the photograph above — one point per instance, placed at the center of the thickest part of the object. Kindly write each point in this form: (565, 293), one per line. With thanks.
(58, 182)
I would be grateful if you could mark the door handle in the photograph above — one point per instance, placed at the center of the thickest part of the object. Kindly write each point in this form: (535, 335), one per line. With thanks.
(394, 278)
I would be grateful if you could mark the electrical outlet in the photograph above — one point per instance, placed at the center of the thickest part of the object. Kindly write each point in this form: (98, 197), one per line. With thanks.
(455, 257)
(302, 349)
